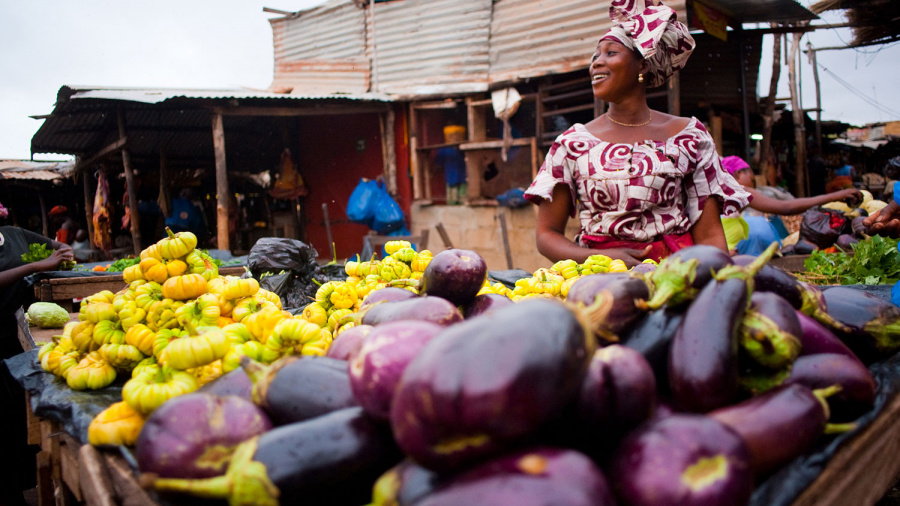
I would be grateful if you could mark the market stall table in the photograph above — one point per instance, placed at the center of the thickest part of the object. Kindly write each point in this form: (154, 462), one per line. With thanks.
(850, 469)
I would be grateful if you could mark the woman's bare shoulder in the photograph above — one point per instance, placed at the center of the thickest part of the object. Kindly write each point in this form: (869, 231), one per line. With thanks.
(673, 124)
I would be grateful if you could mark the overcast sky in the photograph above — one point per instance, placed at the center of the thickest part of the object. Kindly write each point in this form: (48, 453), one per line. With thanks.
(228, 43)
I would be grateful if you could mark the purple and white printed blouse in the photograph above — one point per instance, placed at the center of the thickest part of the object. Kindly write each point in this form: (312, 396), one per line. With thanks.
(639, 191)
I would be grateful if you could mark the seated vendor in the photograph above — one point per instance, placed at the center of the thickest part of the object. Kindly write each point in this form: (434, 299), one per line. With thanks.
(642, 183)
(761, 231)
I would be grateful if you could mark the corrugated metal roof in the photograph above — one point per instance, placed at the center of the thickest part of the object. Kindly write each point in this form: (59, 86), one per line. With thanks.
(322, 49)
(158, 95)
(35, 171)
(421, 44)
(762, 11)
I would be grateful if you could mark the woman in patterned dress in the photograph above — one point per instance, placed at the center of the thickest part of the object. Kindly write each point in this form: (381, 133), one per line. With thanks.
(639, 180)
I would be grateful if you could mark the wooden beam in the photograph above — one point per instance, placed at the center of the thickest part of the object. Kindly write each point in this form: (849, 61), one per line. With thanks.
(389, 151)
(112, 148)
(415, 159)
(444, 104)
(301, 111)
(218, 130)
(477, 130)
(800, 180)
(88, 207)
(45, 226)
(470, 146)
(135, 217)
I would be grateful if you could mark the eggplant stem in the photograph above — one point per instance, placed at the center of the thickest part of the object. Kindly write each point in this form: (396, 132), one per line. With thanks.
(822, 394)
(673, 278)
(749, 270)
(212, 488)
(887, 335)
(255, 371)
(839, 428)
(597, 314)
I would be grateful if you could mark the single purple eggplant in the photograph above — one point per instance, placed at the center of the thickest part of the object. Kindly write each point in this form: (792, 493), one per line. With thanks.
(195, 435)
(618, 392)
(872, 325)
(348, 342)
(769, 331)
(454, 274)
(857, 387)
(426, 308)
(235, 382)
(531, 477)
(485, 383)
(778, 425)
(684, 459)
(300, 387)
(485, 303)
(404, 484)
(703, 359)
(330, 459)
(680, 277)
(815, 339)
(611, 299)
(387, 294)
(376, 368)
(652, 336)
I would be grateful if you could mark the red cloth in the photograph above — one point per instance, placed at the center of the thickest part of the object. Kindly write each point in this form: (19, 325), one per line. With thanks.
(64, 236)
(659, 249)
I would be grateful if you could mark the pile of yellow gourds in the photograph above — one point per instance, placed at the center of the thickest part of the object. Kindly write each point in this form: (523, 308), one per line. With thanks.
(176, 326)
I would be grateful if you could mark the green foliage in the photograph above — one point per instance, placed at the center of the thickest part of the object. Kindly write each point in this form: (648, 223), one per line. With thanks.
(36, 252)
(122, 264)
(874, 261)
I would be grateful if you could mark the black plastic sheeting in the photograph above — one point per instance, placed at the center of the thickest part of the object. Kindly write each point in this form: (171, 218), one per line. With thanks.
(52, 398)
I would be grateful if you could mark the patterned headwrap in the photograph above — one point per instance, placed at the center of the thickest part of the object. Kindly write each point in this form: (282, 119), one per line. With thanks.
(652, 29)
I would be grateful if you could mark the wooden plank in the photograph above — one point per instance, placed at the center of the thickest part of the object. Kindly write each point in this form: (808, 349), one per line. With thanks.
(469, 146)
(864, 468)
(88, 207)
(128, 490)
(112, 148)
(68, 463)
(44, 479)
(23, 331)
(360, 108)
(32, 423)
(96, 486)
(221, 182)
(58, 291)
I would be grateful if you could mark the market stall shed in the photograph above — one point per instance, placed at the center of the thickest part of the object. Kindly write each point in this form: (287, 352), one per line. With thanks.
(35, 178)
(512, 75)
(171, 138)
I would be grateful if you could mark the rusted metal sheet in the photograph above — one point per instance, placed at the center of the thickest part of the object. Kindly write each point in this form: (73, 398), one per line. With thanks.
(35, 171)
(531, 38)
(430, 47)
(321, 50)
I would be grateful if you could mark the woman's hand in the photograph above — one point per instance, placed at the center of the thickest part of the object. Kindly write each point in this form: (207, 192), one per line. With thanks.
(886, 221)
(850, 195)
(631, 257)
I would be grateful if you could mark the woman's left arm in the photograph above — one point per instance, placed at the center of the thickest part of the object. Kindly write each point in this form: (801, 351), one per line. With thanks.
(708, 229)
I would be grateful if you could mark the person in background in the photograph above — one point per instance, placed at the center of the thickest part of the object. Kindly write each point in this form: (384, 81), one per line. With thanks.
(761, 233)
(17, 471)
(886, 222)
(64, 223)
(843, 179)
(642, 183)
(186, 217)
(452, 160)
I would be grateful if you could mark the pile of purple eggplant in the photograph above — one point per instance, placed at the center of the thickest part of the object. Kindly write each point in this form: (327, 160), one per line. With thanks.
(685, 385)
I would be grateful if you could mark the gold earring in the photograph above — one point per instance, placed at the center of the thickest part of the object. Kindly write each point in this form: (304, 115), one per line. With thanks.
(640, 78)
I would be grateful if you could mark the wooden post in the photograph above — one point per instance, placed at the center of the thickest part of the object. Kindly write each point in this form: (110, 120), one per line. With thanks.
(815, 68)
(132, 193)
(673, 95)
(45, 226)
(331, 246)
(501, 213)
(415, 165)
(799, 126)
(765, 167)
(222, 202)
(164, 200)
(389, 151)
(88, 205)
(477, 130)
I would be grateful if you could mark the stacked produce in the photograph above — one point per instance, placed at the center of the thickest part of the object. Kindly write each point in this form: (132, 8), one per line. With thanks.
(688, 384)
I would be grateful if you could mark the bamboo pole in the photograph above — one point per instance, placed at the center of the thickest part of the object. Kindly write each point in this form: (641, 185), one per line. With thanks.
(45, 226)
(799, 126)
(135, 217)
(815, 68)
(766, 168)
(222, 203)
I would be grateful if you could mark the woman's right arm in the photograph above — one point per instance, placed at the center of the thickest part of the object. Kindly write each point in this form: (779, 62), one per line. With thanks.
(551, 228)
(10, 276)
(769, 205)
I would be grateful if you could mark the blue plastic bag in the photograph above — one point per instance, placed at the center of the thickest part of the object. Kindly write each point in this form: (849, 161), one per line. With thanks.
(388, 215)
(361, 206)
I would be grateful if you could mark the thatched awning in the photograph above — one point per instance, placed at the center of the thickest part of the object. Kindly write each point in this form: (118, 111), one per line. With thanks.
(873, 22)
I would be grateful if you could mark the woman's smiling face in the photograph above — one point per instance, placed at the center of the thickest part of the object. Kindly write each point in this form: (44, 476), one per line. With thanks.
(614, 70)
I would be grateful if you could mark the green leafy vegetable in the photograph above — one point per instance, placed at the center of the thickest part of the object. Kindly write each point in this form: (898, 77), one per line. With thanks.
(122, 263)
(874, 261)
(36, 252)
